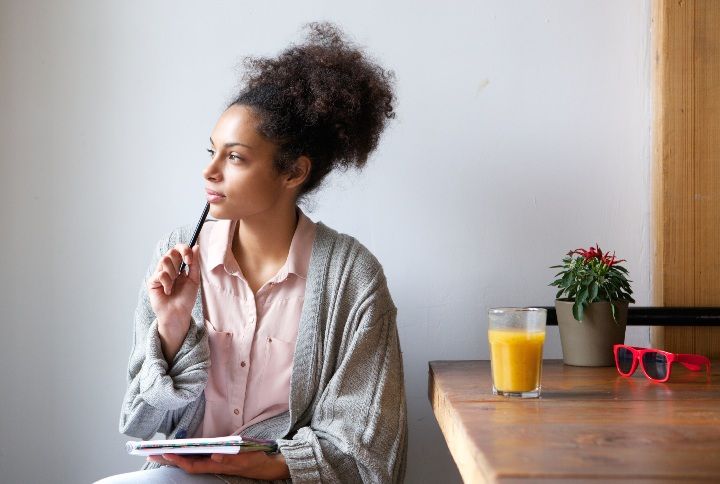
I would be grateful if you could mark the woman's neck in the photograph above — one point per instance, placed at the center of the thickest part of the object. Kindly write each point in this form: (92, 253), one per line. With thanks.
(261, 244)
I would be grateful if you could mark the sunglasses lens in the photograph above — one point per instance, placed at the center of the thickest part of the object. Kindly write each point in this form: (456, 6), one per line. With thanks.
(655, 365)
(624, 360)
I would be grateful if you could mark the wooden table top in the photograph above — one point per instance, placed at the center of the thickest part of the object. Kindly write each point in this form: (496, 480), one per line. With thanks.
(590, 424)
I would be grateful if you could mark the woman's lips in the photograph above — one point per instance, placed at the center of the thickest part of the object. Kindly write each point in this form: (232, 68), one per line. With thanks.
(213, 196)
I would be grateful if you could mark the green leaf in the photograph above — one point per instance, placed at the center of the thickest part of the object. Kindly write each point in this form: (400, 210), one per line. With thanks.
(582, 297)
(559, 293)
(581, 310)
(576, 311)
(593, 291)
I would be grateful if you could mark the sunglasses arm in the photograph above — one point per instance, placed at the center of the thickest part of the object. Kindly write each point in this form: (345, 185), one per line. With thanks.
(694, 362)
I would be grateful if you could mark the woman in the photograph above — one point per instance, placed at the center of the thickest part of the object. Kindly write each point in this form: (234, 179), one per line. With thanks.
(283, 328)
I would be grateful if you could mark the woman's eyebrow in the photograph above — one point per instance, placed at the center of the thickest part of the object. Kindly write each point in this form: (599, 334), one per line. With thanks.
(230, 145)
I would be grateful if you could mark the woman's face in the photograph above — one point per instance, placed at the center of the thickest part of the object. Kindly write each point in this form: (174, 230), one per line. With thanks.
(241, 169)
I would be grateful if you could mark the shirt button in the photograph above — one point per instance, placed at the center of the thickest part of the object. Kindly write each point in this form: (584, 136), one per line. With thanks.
(269, 340)
(236, 411)
(242, 363)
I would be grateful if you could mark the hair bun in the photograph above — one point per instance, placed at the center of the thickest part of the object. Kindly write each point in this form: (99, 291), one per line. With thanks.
(324, 98)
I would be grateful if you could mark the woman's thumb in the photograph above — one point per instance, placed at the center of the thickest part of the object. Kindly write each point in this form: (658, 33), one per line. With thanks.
(194, 265)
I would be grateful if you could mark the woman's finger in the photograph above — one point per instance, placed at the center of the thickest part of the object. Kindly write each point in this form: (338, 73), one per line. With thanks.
(186, 252)
(168, 275)
(159, 459)
(197, 465)
(172, 260)
(159, 279)
(171, 266)
(181, 251)
(154, 280)
(167, 281)
(168, 267)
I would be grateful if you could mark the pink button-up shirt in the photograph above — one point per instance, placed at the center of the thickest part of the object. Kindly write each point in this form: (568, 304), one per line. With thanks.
(252, 336)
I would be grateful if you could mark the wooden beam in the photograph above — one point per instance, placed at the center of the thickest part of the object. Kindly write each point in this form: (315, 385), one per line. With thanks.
(686, 92)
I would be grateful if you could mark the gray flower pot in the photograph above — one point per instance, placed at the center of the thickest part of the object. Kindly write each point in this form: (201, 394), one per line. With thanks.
(590, 342)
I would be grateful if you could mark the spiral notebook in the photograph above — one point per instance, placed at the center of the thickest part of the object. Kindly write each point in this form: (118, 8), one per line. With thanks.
(232, 444)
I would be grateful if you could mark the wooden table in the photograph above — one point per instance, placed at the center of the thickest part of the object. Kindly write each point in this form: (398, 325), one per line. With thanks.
(590, 424)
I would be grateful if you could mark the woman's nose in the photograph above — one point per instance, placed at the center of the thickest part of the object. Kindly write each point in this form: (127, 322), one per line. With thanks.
(212, 170)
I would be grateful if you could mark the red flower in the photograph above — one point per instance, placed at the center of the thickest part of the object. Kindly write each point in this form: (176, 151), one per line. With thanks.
(597, 253)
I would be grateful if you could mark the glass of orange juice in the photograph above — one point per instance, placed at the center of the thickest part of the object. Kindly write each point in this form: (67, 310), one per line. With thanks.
(516, 338)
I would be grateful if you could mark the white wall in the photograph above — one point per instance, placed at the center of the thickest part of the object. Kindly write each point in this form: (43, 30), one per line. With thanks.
(523, 131)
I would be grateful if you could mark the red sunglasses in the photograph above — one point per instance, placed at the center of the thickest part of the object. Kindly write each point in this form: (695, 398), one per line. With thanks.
(655, 364)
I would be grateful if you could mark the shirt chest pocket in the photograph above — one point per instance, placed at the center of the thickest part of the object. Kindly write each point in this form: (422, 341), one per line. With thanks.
(220, 347)
(276, 348)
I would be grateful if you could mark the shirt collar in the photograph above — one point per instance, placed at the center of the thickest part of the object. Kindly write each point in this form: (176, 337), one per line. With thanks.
(298, 261)
(220, 246)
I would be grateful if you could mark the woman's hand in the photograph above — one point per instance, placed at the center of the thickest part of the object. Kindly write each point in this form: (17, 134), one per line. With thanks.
(172, 296)
(253, 465)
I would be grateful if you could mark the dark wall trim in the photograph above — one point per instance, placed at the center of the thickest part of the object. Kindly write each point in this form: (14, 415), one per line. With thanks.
(666, 316)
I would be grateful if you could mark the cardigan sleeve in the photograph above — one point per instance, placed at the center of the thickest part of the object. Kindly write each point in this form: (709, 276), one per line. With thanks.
(358, 430)
(157, 392)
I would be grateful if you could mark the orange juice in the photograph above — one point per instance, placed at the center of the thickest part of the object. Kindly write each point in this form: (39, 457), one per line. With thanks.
(516, 359)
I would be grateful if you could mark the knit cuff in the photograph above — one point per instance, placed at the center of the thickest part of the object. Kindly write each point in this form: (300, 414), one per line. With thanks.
(300, 459)
(156, 378)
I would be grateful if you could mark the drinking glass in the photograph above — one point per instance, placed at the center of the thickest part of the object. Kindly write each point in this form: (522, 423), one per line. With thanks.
(516, 338)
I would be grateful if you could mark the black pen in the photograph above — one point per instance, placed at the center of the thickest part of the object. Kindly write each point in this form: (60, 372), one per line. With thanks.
(196, 234)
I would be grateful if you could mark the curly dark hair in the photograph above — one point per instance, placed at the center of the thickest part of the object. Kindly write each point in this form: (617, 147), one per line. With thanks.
(323, 98)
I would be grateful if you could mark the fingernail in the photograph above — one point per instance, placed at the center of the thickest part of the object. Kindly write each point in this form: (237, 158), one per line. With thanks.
(216, 457)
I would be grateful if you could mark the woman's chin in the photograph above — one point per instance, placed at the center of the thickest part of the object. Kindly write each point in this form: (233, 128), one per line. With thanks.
(219, 212)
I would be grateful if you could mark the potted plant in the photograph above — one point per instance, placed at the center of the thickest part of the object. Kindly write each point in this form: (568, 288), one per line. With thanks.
(591, 306)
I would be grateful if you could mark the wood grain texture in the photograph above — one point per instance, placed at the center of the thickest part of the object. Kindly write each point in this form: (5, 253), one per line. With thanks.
(686, 93)
(590, 424)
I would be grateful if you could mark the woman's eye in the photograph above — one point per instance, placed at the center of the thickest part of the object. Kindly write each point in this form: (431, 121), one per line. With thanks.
(212, 152)
(235, 157)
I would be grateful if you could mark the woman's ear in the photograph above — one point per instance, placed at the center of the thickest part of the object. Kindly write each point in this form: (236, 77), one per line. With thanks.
(299, 172)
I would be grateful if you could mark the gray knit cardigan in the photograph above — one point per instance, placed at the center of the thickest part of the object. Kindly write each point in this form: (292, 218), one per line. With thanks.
(347, 418)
